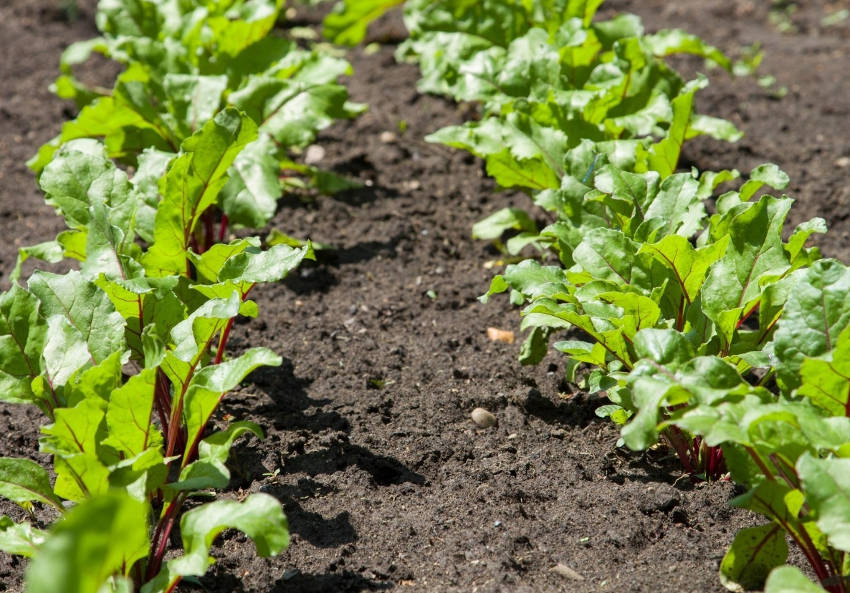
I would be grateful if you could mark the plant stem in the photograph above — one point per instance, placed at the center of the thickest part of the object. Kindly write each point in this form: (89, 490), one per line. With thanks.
(679, 443)
(759, 462)
(161, 535)
(792, 480)
(208, 230)
(680, 315)
(161, 399)
(222, 231)
(225, 334)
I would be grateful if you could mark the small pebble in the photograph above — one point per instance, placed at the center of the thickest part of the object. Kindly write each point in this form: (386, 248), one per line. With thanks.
(314, 154)
(843, 162)
(483, 418)
(388, 137)
(566, 572)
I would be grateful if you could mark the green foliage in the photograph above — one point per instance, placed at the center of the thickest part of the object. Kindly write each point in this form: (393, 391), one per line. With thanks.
(788, 446)
(723, 335)
(126, 357)
(186, 61)
(348, 22)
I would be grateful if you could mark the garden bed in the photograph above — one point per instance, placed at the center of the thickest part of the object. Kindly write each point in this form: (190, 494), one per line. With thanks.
(387, 483)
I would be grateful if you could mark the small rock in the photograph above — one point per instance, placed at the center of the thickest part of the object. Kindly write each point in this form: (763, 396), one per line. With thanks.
(558, 433)
(843, 161)
(314, 154)
(388, 137)
(483, 418)
(566, 572)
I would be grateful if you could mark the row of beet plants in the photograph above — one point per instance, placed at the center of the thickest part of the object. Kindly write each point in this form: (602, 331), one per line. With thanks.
(126, 355)
(182, 63)
(709, 331)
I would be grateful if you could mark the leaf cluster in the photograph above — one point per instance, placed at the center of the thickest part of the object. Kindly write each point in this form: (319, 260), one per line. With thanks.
(786, 440)
(183, 62)
(126, 358)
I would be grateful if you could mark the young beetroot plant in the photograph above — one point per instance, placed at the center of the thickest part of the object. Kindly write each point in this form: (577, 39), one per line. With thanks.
(127, 358)
(184, 61)
(789, 445)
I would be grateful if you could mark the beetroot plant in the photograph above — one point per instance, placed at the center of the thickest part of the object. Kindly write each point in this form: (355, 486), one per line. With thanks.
(183, 62)
(127, 359)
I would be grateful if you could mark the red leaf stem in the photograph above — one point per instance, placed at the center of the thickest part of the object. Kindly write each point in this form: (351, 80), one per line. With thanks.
(222, 231)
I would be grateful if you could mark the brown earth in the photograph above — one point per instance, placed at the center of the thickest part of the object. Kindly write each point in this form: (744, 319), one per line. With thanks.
(385, 480)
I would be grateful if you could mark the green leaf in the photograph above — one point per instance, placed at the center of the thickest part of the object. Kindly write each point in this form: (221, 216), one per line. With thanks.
(96, 382)
(663, 156)
(21, 539)
(23, 481)
(86, 313)
(129, 415)
(676, 41)
(210, 471)
(194, 99)
(608, 254)
(80, 176)
(250, 196)
(817, 311)
(717, 128)
(23, 334)
(292, 112)
(209, 385)
(494, 225)
(519, 151)
(76, 440)
(149, 306)
(193, 335)
(152, 165)
(347, 23)
(678, 205)
(259, 516)
(528, 278)
(208, 265)
(826, 483)
(754, 552)
(191, 185)
(688, 265)
(534, 347)
(664, 347)
(755, 255)
(98, 538)
(49, 251)
(142, 475)
(826, 381)
(270, 265)
(789, 579)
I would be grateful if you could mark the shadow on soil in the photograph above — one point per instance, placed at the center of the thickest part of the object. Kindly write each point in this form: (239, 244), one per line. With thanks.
(291, 412)
(576, 411)
(320, 276)
(345, 582)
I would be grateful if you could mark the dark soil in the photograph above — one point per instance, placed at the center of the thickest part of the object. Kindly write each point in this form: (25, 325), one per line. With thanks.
(385, 480)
